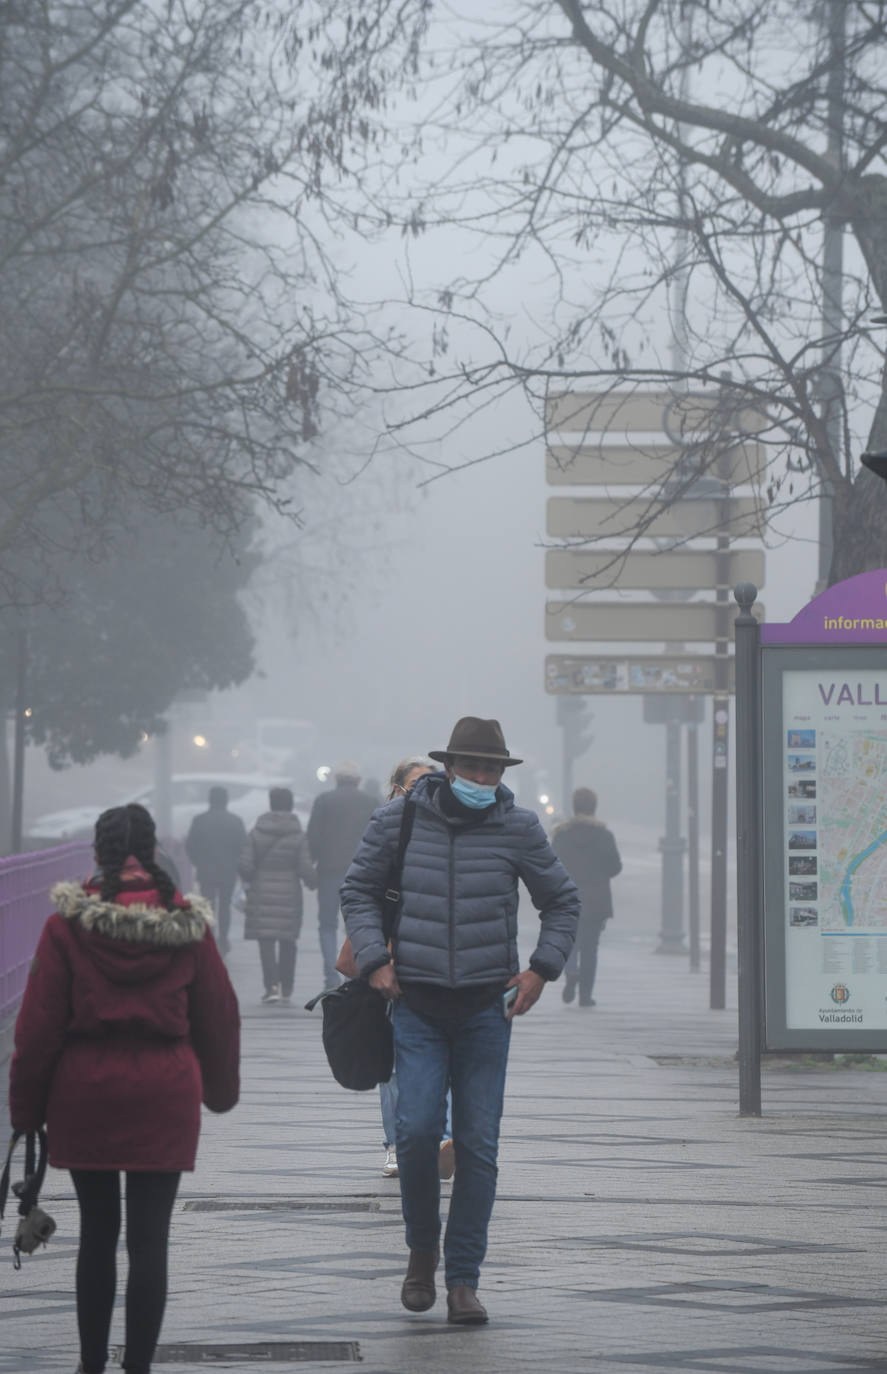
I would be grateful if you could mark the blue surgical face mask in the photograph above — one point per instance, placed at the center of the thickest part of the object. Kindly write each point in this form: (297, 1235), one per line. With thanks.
(472, 794)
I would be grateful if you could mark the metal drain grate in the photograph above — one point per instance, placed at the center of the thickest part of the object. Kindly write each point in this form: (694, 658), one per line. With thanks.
(280, 1204)
(259, 1352)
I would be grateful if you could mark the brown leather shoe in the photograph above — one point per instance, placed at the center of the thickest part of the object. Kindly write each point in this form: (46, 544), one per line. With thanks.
(463, 1307)
(418, 1292)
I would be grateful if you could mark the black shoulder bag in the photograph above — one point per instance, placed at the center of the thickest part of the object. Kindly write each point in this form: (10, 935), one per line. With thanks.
(357, 1035)
(35, 1227)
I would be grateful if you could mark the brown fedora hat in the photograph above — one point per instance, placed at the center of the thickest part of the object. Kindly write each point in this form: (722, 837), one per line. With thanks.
(474, 738)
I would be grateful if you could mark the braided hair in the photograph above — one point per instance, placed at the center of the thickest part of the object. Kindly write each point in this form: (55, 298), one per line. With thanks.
(125, 830)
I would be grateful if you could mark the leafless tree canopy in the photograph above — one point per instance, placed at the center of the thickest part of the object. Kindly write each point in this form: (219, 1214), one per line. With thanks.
(635, 150)
(170, 328)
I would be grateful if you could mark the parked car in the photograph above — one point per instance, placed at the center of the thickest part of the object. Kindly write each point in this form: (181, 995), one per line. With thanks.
(247, 797)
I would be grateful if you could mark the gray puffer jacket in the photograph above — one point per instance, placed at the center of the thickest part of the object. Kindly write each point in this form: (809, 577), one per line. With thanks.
(458, 922)
(274, 863)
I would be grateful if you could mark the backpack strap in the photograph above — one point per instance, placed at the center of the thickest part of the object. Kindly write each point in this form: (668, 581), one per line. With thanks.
(393, 905)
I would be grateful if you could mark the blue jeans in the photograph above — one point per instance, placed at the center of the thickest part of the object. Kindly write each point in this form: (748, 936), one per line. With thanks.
(328, 885)
(471, 1056)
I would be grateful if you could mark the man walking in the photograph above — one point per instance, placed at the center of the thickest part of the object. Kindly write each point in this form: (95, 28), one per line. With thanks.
(455, 954)
(335, 827)
(214, 842)
(588, 851)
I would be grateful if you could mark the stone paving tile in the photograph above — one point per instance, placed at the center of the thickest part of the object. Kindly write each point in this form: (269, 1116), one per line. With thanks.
(641, 1225)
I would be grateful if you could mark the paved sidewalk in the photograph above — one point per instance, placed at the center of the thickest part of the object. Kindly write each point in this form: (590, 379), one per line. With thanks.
(640, 1224)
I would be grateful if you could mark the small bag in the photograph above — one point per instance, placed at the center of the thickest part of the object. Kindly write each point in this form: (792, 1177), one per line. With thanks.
(357, 1035)
(35, 1226)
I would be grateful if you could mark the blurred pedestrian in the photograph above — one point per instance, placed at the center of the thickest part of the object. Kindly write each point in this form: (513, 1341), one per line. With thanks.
(454, 957)
(335, 827)
(214, 842)
(128, 1021)
(274, 863)
(405, 773)
(588, 852)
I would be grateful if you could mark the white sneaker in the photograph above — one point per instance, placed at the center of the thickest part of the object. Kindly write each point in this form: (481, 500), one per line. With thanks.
(389, 1168)
(446, 1165)
(273, 994)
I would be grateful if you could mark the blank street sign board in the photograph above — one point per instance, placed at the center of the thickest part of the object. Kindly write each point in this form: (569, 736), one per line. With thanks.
(585, 517)
(673, 569)
(637, 621)
(648, 465)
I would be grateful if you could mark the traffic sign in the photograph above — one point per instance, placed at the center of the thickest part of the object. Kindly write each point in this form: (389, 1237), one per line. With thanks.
(657, 621)
(668, 674)
(624, 412)
(671, 570)
(647, 464)
(583, 517)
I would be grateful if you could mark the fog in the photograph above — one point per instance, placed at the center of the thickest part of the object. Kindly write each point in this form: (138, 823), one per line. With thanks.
(396, 607)
(441, 613)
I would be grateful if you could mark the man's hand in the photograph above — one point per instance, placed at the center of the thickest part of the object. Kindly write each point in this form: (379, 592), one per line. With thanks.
(529, 986)
(384, 980)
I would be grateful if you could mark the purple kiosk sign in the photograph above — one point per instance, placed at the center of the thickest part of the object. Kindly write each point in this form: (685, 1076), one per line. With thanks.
(823, 821)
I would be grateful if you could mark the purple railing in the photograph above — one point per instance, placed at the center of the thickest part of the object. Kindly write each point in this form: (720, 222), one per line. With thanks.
(25, 881)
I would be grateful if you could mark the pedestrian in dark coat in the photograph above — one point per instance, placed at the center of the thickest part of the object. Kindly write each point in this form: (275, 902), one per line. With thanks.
(128, 1022)
(214, 842)
(335, 829)
(274, 863)
(454, 975)
(588, 852)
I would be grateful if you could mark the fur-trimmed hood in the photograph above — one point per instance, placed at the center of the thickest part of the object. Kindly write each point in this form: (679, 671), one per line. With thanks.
(136, 922)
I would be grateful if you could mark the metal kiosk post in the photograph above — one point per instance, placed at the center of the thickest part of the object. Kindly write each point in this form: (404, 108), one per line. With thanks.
(748, 849)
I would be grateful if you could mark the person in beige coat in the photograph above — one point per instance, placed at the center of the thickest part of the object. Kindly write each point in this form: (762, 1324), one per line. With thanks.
(274, 863)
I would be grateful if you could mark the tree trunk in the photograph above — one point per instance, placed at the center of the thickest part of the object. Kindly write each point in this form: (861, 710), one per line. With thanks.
(860, 527)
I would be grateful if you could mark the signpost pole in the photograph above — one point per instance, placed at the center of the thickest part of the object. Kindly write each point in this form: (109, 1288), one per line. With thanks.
(721, 755)
(672, 845)
(748, 849)
(693, 842)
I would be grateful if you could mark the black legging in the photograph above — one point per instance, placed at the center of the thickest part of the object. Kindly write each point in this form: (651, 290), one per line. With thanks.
(149, 1203)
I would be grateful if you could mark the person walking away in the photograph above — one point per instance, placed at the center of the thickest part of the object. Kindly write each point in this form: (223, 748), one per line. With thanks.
(588, 851)
(215, 839)
(335, 827)
(454, 956)
(128, 1022)
(274, 863)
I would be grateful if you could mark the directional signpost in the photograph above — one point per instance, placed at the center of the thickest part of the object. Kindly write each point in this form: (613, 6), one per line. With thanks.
(665, 468)
(678, 570)
(643, 465)
(622, 413)
(617, 621)
(666, 674)
(627, 517)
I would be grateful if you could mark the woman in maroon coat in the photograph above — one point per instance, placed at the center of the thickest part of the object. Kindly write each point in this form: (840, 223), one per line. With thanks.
(128, 1022)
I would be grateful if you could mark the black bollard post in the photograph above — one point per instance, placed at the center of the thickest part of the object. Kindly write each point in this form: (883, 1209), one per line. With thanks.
(748, 849)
